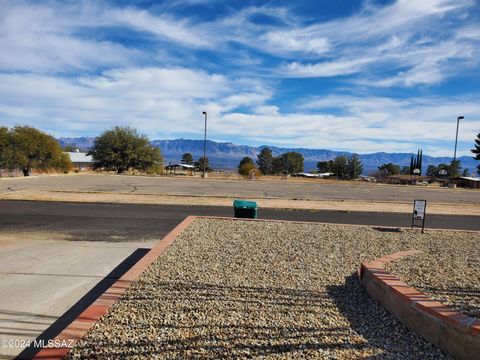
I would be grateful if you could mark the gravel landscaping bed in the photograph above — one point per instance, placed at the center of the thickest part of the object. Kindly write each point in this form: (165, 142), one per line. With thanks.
(241, 289)
(449, 274)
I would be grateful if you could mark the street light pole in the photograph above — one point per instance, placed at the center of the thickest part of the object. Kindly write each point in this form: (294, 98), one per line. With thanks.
(456, 139)
(205, 146)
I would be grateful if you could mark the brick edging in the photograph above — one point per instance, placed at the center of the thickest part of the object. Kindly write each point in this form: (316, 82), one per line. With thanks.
(447, 328)
(79, 327)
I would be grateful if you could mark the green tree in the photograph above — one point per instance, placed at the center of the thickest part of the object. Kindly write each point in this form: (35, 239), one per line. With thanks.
(354, 167)
(389, 169)
(326, 166)
(476, 151)
(122, 149)
(33, 149)
(6, 153)
(187, 158)
(245, 166)
(405, 170)
(465, 172)
(432, 171)
(420, 160)
(416, 162)
(199, 164)
(277, 166)
(291, 162)
(63, 163)
(340, 167)
(265, 161)
(454, 168)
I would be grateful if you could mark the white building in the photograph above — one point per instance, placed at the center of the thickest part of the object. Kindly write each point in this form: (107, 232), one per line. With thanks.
(81, 161)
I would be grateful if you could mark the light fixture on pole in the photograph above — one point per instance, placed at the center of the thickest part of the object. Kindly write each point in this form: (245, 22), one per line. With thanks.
(456, 138)
(443, 173)
(416, 172)
(205, 147)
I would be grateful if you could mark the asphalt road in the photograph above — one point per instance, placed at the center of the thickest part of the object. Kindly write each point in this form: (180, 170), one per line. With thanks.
(316, 190)
(132, 222)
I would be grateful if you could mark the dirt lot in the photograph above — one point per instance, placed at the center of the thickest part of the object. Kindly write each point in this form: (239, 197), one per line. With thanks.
(291, 194)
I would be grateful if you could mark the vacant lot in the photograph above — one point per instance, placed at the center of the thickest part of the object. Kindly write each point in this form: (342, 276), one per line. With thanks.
(318, 190)
(237, 289)
(319, 194)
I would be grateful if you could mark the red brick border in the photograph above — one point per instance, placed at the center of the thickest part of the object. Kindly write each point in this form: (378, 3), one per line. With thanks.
(79, 327)
(449, 329)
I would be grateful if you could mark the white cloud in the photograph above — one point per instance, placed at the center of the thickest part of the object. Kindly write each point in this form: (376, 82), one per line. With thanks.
(38, 39)
(386, 39)
(167, 102)
(62, 70)
(55, 37)
(325, 69)
(158, 101)
(179, 31)
(284, 41)
(429, 120)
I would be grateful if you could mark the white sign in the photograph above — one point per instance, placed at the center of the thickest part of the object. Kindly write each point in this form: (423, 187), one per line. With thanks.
(419, 209)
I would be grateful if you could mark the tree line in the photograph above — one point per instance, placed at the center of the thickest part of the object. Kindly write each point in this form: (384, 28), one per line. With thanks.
(123, 148)
(342, 167)
(454, 169)
(287, 163)
(292, 162)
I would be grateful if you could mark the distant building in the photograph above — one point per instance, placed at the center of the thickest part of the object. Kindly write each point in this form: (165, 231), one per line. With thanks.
(81, 161)
(309, 175)
(183, 169)
(406, 179)
(466, 181)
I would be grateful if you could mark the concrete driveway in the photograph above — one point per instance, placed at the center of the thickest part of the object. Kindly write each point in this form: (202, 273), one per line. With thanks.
(46, 281)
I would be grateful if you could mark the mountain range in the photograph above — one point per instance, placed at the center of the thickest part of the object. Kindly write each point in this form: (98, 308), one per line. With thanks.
(226, 155)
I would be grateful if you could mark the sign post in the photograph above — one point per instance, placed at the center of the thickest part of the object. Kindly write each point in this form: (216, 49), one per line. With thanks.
(419, 212)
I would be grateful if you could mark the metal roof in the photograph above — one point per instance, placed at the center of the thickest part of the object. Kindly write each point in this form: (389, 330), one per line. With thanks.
(78, 157)
(185, 166)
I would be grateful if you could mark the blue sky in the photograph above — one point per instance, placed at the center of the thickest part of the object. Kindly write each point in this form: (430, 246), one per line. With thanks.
(361, 76)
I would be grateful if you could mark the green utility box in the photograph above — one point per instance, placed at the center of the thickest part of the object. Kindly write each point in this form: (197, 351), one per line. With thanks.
(245, 209)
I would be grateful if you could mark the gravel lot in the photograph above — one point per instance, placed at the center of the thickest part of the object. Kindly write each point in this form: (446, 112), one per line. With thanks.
(237, 289)
(449, 274)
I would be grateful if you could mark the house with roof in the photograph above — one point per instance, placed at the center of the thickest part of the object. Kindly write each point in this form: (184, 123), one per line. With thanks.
(81, 161)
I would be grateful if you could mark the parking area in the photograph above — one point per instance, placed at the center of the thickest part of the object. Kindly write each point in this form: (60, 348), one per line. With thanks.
(312, 190)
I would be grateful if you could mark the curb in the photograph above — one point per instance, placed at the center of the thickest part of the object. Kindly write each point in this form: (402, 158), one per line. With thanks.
(79, 327)
(334, 224)
(449, 329)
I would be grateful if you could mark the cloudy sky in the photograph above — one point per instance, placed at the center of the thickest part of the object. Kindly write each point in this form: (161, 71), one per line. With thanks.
(362, 76)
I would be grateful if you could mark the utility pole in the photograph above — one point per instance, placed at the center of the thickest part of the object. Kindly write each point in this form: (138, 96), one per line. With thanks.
(456, 139)
(205, 147)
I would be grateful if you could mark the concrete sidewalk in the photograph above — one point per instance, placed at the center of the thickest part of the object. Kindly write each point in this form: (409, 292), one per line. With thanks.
(43, 282)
